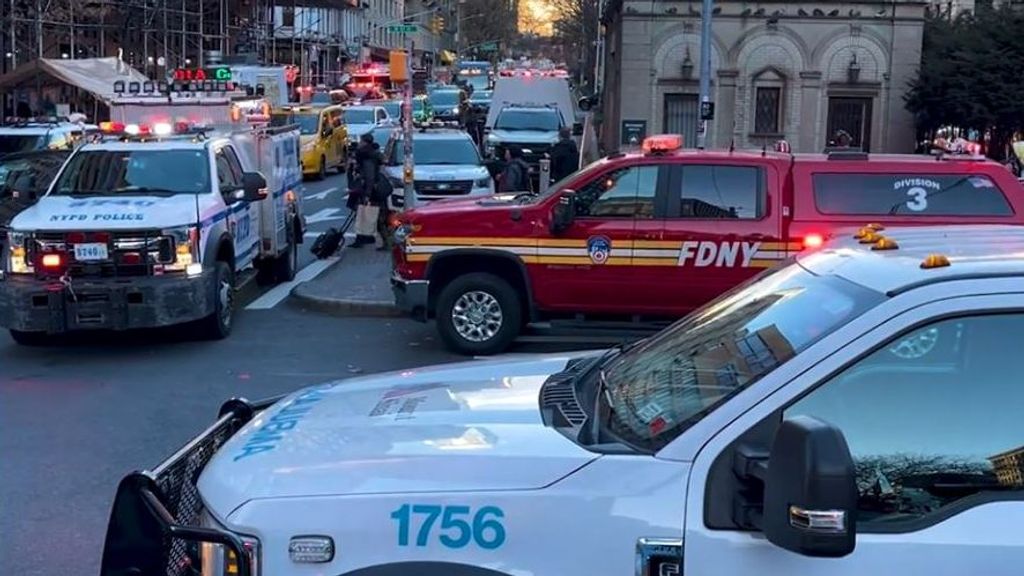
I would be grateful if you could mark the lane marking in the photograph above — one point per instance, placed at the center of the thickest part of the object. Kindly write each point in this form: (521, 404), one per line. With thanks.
(277, 294)
(325, 215)
(320, 195)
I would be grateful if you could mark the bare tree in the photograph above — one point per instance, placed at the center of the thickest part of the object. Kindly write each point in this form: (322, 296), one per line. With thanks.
(576, 27)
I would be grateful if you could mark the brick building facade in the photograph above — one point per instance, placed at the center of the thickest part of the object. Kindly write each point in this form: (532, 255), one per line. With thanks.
(798, 72)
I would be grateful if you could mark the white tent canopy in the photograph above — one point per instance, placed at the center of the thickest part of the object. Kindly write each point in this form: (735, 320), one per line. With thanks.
(94, 75)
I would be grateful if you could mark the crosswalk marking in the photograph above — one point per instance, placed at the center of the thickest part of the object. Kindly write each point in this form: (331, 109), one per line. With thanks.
(277, 294)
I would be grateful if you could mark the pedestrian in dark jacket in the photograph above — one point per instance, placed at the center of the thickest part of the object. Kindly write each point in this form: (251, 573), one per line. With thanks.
(565, 156)
(516, 176)
(369, 191)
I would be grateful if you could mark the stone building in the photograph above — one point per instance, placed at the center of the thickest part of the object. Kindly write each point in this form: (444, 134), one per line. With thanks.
(793, 71)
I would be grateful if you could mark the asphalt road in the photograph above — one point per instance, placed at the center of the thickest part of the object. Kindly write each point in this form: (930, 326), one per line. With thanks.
(75, 417)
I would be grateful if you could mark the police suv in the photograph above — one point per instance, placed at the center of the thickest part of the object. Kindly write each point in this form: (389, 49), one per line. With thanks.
(48, 133)
(853, 410)
(448, 165)
(158, 222)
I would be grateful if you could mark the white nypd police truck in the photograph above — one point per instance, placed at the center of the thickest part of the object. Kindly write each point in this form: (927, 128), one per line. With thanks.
(158, 221)
(856, 410)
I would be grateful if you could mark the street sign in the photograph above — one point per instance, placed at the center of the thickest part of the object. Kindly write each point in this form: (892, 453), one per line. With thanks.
(403, 28)
(707, 110)
(488, 47)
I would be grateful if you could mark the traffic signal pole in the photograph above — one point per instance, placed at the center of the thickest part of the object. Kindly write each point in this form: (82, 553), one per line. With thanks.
(705, 72)
(409, 190)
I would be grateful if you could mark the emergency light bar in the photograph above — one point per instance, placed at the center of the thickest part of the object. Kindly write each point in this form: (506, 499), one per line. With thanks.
(662, 143)
(157, 129)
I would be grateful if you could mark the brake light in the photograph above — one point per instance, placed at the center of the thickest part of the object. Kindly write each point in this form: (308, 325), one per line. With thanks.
(813, 241)
(75, 237)
(52, 261)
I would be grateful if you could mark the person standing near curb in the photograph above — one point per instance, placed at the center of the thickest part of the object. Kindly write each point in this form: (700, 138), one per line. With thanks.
(565, 156)
(516, 176)
(368, 162)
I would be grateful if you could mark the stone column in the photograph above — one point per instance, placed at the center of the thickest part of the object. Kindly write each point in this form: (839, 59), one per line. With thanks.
(812, 120)
(725, 110)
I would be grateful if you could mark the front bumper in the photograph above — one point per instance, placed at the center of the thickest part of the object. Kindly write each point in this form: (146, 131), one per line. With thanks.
(34, 305)
(411, 296)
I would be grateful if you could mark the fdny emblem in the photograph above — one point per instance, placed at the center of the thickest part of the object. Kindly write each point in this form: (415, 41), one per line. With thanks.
(599, 248)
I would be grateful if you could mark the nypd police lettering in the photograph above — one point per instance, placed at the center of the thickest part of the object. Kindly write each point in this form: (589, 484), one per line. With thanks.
(110, 202)
(266, 437)
(717, 253)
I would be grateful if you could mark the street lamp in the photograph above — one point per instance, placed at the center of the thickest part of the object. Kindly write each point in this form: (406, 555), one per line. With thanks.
(687, 67)
(853, 70)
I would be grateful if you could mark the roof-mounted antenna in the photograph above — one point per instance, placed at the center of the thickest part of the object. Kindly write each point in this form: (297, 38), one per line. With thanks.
(764, 148)
(732, 146)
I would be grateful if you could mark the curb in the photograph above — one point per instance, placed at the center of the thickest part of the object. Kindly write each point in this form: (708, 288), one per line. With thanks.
(342, 306)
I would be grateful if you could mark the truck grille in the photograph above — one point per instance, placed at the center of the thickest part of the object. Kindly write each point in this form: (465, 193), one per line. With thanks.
(453, 188)
(532, 153)
(130, 253)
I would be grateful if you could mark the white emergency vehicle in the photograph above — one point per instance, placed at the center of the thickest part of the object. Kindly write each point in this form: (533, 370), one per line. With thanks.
(158, 221)
(448, 165)
(854, 410)
(48, 133)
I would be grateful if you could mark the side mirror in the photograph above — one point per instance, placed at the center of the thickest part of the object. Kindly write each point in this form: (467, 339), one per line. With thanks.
(577, 129)
(563, 214)
(254, 188)
(810, 490)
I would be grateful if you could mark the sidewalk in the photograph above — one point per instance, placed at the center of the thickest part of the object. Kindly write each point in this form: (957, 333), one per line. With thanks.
(358, 284)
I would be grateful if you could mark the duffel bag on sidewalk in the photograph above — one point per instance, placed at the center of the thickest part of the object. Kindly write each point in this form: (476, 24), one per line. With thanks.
(327, 243)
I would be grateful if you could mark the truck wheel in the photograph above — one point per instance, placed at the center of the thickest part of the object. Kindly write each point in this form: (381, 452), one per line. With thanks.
(217, 325)
(29, 338)
(323, 169)
(287, 263)
(478, 313)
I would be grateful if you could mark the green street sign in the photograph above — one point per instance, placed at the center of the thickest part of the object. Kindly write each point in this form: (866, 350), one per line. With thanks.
(489, 47)
(403, 28)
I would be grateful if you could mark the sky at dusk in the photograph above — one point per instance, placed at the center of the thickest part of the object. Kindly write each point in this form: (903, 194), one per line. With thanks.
(536, 17)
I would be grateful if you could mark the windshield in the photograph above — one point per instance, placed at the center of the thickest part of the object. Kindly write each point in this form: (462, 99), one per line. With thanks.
(454, 151)
(394, 108)
(669, 382)
(11, 143)
(478, 82)
(308, 123)
(109, 172)
(359, 116)
(445, 98)
(540, 120)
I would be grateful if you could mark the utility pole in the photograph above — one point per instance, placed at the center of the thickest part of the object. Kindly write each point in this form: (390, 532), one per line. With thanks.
(409, 189)
(705, 72)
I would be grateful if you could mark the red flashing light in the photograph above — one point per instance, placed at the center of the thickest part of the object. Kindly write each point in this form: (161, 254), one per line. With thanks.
(75, 237)
(813, 241)
(662, 143)
(131, 258)
(111, 127)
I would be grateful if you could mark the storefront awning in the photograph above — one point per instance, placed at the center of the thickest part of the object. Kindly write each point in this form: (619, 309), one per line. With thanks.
(94, 75)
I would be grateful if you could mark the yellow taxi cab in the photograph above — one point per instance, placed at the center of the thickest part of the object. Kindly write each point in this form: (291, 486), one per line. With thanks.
(323, 135)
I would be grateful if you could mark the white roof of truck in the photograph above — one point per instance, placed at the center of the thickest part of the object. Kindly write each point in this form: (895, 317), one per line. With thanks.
(973, 251)
(539, 91)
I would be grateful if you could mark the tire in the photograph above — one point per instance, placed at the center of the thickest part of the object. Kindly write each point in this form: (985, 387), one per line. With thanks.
(287, 263)
(29, 338)
(472, 334)
(218, 325)
(322, 174)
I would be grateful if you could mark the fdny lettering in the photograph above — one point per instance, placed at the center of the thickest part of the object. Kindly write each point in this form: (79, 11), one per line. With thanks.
(717, 253)
(266, 437)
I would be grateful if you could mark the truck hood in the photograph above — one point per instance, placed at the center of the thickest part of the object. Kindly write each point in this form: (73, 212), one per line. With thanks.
(441, 173)
(357, 130)
(522, 137)
(462, 427)
(109, 213)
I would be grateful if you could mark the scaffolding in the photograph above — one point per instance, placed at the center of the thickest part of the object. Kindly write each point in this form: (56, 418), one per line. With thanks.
(153, 36)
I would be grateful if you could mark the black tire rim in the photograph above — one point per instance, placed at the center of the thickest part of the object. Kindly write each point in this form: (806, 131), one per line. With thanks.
(226, 300)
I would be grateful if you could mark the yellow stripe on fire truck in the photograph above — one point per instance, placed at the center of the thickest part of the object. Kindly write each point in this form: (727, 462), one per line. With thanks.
(599, 250)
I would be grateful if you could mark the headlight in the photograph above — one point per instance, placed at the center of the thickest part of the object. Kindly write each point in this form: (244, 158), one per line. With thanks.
(309, 146)
(455, 110)
(17, 253)
(482, 182)
(217, 560)
(186, 250)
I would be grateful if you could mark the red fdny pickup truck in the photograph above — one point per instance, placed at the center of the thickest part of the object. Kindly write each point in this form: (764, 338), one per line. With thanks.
(652, 235)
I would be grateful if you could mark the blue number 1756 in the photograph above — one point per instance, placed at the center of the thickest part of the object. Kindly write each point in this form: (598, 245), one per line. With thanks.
(457, 528)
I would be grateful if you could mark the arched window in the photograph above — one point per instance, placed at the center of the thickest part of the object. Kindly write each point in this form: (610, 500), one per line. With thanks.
(769, 89)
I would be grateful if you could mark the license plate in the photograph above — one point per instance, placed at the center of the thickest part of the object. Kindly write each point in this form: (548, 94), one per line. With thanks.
(91, 251)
